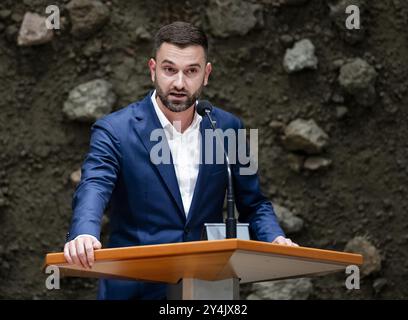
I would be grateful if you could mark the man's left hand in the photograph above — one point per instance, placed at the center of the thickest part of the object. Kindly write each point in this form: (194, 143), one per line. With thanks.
(284, 241)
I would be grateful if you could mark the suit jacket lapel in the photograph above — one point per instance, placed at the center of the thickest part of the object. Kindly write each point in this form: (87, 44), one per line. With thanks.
(203, 173)
(148, 121)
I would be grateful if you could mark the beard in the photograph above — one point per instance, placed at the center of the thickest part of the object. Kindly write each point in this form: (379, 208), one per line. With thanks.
(181, 105)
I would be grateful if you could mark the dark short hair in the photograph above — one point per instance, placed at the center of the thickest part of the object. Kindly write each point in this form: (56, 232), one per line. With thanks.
(181, 34)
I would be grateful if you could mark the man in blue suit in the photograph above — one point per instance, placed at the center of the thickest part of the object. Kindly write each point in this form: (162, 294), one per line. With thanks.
(153, 203)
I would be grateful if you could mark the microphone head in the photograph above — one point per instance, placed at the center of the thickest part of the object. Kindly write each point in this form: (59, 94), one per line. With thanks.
(203, 106)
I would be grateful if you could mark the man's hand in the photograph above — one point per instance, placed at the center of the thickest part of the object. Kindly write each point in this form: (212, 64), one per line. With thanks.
(284, 241)
(80, 251)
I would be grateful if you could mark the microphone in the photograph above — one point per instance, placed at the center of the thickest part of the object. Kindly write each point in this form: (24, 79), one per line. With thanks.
(204, 108)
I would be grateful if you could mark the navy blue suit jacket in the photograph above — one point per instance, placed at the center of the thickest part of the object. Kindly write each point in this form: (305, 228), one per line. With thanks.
(146, 205)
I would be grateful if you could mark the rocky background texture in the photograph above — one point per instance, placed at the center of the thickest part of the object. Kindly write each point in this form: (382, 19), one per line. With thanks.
(329, 103)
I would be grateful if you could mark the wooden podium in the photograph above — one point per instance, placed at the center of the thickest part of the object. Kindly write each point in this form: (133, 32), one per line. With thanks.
(208, 269)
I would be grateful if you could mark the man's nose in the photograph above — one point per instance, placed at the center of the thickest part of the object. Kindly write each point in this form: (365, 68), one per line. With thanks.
(179, 81)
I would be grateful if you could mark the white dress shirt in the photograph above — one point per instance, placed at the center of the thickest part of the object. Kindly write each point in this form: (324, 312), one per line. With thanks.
(185, 150)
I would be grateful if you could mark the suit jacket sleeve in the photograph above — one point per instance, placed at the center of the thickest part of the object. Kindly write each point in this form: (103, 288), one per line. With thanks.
(253, 207)
(98, 177)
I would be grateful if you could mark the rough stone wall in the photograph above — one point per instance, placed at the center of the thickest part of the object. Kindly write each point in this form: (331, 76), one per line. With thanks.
(330, 106)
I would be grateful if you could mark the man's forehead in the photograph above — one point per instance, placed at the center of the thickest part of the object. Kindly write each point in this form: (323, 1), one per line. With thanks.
(169, 53)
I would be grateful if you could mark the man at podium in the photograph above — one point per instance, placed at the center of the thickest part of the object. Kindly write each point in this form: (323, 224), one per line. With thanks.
(166, 202)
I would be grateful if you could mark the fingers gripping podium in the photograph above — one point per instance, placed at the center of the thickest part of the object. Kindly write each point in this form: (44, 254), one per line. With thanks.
(208, 269)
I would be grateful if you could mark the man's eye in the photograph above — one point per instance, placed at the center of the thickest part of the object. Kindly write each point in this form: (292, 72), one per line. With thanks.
(168, 69)
(192, 71)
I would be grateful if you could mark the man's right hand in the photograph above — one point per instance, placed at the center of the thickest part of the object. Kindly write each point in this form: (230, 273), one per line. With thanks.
(80, 251)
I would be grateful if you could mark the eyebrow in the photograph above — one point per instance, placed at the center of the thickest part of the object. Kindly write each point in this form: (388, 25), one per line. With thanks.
(172, 63)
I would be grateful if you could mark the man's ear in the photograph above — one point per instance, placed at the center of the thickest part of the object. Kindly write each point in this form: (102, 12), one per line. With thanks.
(152, 68)
(208, 69)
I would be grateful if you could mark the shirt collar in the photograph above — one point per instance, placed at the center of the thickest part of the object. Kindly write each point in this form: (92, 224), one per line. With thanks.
(166, 124)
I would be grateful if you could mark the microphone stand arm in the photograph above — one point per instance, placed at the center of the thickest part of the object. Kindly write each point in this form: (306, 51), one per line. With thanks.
(230, 221)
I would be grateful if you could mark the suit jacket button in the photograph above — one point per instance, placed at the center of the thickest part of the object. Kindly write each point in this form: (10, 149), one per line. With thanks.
(186, 230)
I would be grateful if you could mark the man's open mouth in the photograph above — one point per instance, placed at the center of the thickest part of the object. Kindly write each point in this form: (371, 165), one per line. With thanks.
(178, 95)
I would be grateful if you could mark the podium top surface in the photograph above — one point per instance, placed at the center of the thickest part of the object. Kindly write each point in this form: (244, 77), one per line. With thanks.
(249, 260)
